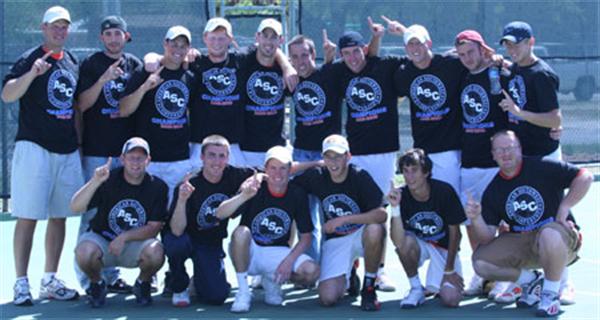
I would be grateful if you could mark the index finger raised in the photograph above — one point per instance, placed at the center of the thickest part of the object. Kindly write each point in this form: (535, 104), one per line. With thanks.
(117, 63)
(370, 21)
(158, 70)
(506, 95)
(109, 162)
(386, 19)
(325, 38)
(49, 53)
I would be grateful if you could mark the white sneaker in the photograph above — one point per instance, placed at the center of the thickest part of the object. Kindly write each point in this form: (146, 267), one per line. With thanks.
(181, 299)
(475, 287)
(531, 292)
(510, 295)
(567, 293)
(549, 305)
(22, 294)
(56, 289)
(414, 298)
(498, 288)
(273, 294)
(242, 302)
(384, 283)
(256, 282)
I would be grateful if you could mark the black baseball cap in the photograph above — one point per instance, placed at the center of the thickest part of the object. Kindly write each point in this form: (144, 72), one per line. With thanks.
(516, 31)
(350, 39)
(114, 22)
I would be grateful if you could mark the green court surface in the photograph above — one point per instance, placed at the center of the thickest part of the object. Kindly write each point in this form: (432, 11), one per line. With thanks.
(298, 304)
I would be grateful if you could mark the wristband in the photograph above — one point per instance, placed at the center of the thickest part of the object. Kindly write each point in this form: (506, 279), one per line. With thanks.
(447, 273)
(395, 212)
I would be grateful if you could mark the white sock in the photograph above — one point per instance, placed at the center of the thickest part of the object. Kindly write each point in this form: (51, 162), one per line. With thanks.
(48, 277)
(415, 282)
(551, 286)
(242, 278)
(526, 276)
(22, 279)
(564, 277)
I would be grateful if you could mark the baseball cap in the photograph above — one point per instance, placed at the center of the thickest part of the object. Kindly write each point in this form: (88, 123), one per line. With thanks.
(136, 142)
(280, 153)
(176, 31)
(56, 13)
(114, 22)
(473, 36)
(336, 143)
(416, 31)
(214, 23)
(270, 23)
(516, 31)
(350, 39)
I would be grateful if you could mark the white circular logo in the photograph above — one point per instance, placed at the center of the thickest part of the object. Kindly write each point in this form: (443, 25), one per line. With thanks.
(309, 99)
(517, 90)
(113, 89)
(363, 94)
(265, 88)
(429, 224)
(206, 217)
(61, 89)
(428, 92)
(171, 99)
(220, 81)
(126, 215)
(525, 205)
(475, 103)
(270, 225)
(339, 205)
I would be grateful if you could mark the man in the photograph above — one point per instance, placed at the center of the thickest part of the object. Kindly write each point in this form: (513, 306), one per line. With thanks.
(131, 207)
(352, 205)
(160, 101)
(194, 230)
(527, 194)
(260, 245)
(103, 77)
(426, 218)
(46, 168)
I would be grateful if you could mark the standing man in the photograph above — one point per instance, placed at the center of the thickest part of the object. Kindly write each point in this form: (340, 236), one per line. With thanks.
(352, 206)
(103, 77)
(527, 194)
(131, 207)
(46, 168)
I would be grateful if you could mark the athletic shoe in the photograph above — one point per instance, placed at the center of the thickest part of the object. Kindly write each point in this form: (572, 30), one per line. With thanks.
(354, 287)
(97, 294)
(273, 294)
(475, 287)
(531, 291)
(154, 284)
(567, 293)
(56, 289)
(384, 283)
(142, 293)
(414, 298)
(256, 282)
(22, 294)
(549, 305)
(119, 286)
(510, 295)
(241, 302)
(181, 299)
(368, 299)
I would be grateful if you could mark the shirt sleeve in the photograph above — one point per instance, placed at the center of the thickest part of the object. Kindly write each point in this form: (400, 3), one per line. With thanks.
(137, 79)
(303, 220)
(455, 213)
(159, 208)
(370, 194)
(22, 66)
(489, 207)
(546, 85)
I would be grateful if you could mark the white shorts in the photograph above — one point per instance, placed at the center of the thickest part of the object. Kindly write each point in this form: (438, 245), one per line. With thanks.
(129, 258)
(265, 260)
(381, 167)
(42, 182)
(338, 255)
(555, 155)
(253, 159)
(474, 181)
(446, 167)
(236, 158)
(172, 173)
(437, 257)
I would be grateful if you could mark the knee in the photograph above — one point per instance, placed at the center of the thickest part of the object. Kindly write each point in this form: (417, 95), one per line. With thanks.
(327, 298)
(241, 234)
(86, 252)
(374, 234)
(482, 268)
(331, 291)
(175, 246)
(550, 239)
(406, 246)
(310, 272)
(154, 254)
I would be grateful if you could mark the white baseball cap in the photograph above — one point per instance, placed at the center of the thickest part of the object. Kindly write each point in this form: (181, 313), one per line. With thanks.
(56, 13)
(416, 31)
(214, 23)
(136, 142)
(270, 23)
(336, 143)
(176, 31)
(280, 153)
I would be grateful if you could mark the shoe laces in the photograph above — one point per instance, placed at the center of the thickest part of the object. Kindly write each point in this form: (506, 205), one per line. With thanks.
(22, 287)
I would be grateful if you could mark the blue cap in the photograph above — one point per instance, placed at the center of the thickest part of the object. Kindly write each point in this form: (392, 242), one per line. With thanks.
(516, 31)
(350, 39)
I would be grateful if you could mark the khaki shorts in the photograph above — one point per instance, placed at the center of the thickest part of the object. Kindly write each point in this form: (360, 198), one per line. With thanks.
(520, 250)
(129, 258)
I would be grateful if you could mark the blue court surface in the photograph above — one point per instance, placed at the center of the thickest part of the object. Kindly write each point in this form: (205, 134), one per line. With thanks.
(298, 304)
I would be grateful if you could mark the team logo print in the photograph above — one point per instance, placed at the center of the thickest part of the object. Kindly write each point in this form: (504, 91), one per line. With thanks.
(207, 215)
(270, 225)
(309, 99)
(126, 215)
(517, 90)
(220, 81)
(429, 224)
(363, 94)
(265, 88)
(428, 92)
(339, 205)
(525, 205)
(61, 89)
(475, 103)
(113, 89)
(171, 99)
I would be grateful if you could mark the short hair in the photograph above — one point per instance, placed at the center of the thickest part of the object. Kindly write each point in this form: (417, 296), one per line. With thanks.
(301, 39)
(505, 132)
(214, 140)
(415, 157)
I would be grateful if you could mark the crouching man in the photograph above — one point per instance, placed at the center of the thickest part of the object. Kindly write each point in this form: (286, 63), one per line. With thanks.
(131, 209)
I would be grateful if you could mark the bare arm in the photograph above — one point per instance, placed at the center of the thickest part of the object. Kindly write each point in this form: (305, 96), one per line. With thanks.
(328, 48)
(484, 233)
(249, 188)
(302, 166)
(81, 199)
(284, 270)
(178, 220)
(290, 75)
(14, 89)
(150, 230)
(377, 32)
(130, 103)
(550, 119)
(377, 215)
(87, 98)
(577, 190)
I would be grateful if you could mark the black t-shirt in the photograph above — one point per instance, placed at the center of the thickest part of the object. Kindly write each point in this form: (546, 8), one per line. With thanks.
(481, 118)
(218, 106)
(317, 101)
(201, 208)
(104, 130)
(123, 206)
(429, 220)
(162, 117)
(534, 88)
(270, 218)
(530, 199)
(372, 105)
(434, 102)
(46, 108)
(357, 194)
(264, 109)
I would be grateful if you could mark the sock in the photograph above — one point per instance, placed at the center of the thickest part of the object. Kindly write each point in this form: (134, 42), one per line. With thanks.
(415, 282)
(369, 280)
(564, 277)
(526, 276)
(48, 277)
(551, 286)
(22, 279)
(380, 270)
(242, 278)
